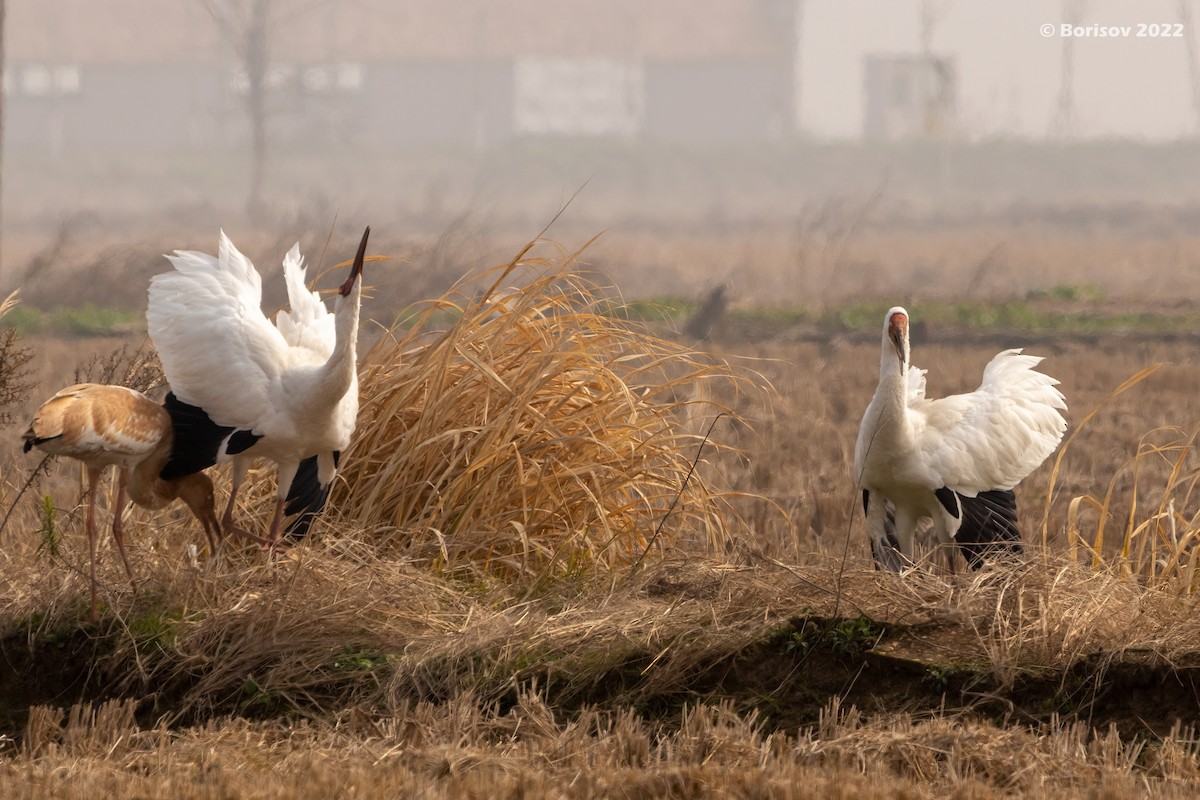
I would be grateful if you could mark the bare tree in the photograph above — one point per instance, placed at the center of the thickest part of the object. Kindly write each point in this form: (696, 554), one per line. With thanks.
(1193, 68)
(1065, 122)
(931, 12)
(246, 25)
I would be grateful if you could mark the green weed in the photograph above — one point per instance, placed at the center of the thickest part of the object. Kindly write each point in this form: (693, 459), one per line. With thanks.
(50, 534)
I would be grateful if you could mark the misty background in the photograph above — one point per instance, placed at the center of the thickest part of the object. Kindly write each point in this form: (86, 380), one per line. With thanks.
(802, 151)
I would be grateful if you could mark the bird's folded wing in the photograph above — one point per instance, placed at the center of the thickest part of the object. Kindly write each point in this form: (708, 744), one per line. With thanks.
(91, 419)
(993, 437)
(217, 349)
(307, 323)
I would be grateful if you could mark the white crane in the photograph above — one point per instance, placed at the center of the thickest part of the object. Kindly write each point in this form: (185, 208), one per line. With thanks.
(242, 387)
(112, 425)
(954, 460)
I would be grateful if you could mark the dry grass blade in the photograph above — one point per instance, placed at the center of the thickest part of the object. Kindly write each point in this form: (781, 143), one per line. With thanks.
(1159, 542)
(537, 433)
(1126, 385)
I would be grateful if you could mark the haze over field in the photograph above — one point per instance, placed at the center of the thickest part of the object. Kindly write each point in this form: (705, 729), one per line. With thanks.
(737, 121)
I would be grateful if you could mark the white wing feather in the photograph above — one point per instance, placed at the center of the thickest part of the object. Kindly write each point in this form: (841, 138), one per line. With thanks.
(307, 323)
(206, 321)
(995, 436)
(916, 384)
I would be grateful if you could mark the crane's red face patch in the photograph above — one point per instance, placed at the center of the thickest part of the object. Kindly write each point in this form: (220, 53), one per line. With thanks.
(898, 332)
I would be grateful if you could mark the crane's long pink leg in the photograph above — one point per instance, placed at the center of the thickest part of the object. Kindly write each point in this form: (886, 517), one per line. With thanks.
(119, 526)
(235, 482)
(228, 526)
(276, 536)
(240, 467)
(227, 517)
(93, 479)
(285, 474)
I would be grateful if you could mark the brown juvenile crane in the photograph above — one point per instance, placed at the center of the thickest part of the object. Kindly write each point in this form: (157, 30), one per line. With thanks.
(112, 425)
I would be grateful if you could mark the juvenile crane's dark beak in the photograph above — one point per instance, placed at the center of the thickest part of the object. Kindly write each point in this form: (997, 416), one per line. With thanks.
(356, 270)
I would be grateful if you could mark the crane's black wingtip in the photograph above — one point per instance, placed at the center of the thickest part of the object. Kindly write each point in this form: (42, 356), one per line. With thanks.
(197, 439)
(306, 497)
(989, 526)
(885, 552)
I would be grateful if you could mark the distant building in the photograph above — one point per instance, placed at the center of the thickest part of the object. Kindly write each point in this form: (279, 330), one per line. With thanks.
(909, 97)
(143, 73)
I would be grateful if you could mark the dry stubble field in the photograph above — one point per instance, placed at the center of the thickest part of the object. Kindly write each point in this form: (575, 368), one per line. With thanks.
(752, 654)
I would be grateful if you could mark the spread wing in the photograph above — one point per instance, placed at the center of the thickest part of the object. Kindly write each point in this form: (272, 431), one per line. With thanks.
(218, 350)
(307, 323)
(992, 437)
(916, 384)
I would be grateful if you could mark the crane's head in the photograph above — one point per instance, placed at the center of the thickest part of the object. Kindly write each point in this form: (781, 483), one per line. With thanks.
(356, 269)
(196, 491)
(895, 330)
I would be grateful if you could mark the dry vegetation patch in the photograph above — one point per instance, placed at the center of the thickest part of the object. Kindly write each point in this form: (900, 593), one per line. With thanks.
(537, 433)
(464, 749)
(491, 697)
(476, 617)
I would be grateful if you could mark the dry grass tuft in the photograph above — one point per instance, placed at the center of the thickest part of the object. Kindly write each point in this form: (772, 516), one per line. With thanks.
(1157, 536)
(1147, 499)
(537, 434)
(15, 381)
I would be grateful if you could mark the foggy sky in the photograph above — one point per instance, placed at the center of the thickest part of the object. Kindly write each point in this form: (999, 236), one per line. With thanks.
(1009, 74)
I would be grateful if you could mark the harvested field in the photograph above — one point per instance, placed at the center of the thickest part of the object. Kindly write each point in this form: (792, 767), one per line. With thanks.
(430, 639)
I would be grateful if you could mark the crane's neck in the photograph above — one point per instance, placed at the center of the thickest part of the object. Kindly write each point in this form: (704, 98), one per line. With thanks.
(339, 372)
(891, 395)
(144, 486)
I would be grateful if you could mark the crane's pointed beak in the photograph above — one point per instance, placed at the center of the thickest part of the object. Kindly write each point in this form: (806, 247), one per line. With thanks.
(356, 270)
(898, 333)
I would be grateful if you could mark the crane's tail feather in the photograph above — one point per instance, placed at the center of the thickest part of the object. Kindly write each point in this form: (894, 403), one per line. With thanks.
(36, 441)
(886, 551)
(307, 497)
(989, 526)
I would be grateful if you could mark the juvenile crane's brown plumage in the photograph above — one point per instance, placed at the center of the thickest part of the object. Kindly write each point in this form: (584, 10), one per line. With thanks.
(112, 425)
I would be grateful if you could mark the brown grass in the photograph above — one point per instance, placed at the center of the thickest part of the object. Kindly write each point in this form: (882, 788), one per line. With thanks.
(459, 749)
(411, 685)
(536, 434)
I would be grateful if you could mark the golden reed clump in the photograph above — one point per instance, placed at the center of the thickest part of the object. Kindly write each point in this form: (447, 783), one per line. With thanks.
(538, 432)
